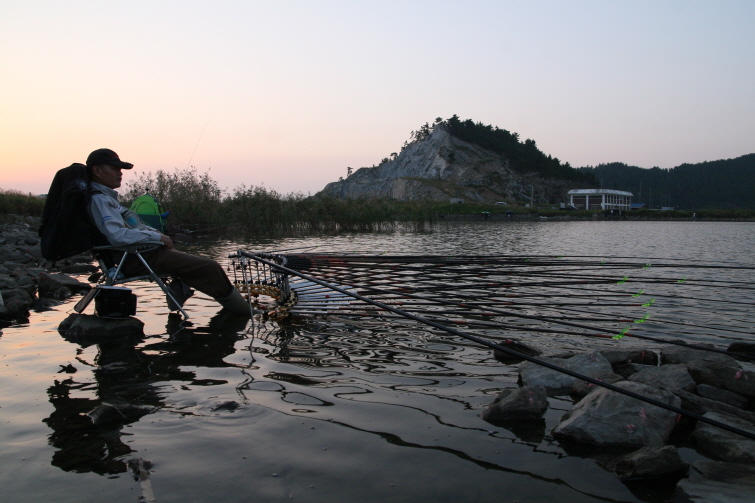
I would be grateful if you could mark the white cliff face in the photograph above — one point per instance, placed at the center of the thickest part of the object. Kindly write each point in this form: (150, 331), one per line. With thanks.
(438, 168)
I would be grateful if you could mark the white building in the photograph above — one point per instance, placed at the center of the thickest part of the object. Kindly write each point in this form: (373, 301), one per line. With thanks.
(600, 199)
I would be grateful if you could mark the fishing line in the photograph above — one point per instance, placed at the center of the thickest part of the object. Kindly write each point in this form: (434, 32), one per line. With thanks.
(198, 140)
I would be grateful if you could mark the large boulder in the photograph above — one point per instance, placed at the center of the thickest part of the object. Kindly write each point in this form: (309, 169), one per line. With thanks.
(724, 444)
(517, 346)
(607, 418)
(558, 383)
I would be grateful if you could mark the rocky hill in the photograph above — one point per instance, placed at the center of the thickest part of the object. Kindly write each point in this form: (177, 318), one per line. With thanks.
(440, 166)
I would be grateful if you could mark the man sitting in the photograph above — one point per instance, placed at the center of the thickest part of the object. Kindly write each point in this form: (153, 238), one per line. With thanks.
(122, 227)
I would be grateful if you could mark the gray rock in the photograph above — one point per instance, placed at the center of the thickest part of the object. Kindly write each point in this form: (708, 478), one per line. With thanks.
(581, 388)
(49, 283)
(723, 444)
(17, 302)
(628, 369)
(701, 405)
(641, 356)
(682, 354)
(7, 282)
(558, 383)
(721, 395)
(90, 326)
(717, 482)
(732, 379)
(517, 346)
(517, 404)
(669, 376)
(607, 418)
(650, 462)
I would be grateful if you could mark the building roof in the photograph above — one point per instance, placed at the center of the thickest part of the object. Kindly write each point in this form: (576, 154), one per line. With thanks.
(597, 192)
(636, 206)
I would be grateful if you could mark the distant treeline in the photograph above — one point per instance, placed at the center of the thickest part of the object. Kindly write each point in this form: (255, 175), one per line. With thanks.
(725, 184)
(523, 157)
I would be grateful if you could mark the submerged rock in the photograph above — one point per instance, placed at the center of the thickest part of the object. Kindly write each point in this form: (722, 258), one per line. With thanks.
(651, 462)
(517, 346)
(717, 482)
(230, 405)
(724, 444)
(607, 418)
(529, 402)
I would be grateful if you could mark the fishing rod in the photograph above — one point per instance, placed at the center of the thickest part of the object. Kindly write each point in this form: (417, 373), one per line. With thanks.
(510, 351)
(404, 293)
(523, 259)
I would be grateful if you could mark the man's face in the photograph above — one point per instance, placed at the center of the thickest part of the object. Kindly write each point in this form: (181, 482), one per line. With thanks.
(107, 175)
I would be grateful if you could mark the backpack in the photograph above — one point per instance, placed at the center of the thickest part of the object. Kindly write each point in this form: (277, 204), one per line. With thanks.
(150, 212)
(67, 228)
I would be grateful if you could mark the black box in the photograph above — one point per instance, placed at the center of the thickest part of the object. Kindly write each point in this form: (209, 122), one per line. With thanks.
(114, 302)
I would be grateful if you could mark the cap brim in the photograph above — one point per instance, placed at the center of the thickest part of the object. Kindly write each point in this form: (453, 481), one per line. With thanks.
(121, 164)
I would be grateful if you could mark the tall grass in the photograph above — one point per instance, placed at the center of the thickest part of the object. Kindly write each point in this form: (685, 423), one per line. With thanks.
(14, 202)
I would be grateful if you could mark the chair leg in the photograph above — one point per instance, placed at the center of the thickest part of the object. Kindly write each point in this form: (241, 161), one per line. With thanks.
(154, 277)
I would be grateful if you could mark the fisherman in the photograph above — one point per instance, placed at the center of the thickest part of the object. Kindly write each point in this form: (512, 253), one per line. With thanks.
(122, 227)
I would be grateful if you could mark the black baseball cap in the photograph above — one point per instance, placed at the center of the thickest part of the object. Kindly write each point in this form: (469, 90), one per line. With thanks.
(107, 156)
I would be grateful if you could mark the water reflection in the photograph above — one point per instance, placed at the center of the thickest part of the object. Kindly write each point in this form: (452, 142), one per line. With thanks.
(89, 417)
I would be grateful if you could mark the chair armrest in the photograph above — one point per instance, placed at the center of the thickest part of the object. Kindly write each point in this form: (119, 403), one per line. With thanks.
(142, 247)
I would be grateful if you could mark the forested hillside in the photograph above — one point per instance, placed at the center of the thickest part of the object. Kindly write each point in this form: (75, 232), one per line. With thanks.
(523, 156)
(723, 184)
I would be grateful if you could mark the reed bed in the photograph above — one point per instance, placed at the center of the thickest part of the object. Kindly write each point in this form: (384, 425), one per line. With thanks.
(14, 202)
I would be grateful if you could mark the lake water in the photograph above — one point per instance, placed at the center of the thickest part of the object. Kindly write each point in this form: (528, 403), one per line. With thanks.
(330, 409)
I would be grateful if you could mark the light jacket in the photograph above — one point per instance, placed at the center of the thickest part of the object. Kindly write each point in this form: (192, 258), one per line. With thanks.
(119, 225)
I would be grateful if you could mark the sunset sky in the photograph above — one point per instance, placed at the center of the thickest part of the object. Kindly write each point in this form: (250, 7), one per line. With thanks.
(288, 94)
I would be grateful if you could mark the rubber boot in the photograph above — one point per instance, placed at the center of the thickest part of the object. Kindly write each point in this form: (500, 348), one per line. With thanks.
(235, 303)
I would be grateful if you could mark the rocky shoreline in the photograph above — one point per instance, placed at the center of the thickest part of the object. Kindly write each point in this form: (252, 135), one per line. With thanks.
(28, 282)
(637, 440)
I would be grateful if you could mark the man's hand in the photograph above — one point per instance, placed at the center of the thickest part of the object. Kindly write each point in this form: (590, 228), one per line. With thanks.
(166, 241)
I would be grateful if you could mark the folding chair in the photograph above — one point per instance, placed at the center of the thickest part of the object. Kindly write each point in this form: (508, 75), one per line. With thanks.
(112, 275)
